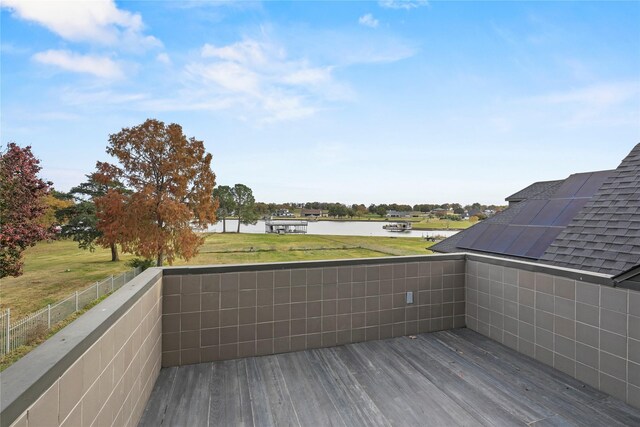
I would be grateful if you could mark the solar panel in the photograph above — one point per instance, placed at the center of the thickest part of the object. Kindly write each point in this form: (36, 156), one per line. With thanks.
(529, 211)
(571, 185)
(508, 235)
(593, 184)
(525, 241)
(533, 224)
(484, 241)
(540, 246)
(570, 212)
(550, 212)
(471, 234)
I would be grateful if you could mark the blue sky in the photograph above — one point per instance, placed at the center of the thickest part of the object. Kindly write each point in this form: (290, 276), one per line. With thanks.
(366, 102)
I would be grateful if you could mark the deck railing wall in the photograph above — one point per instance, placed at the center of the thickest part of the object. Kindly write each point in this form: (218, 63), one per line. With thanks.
(99, 370)
(574, 321)
(218, 313)
(102, 368)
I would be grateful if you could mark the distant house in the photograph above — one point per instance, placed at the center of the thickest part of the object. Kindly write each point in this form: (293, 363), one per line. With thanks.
(283, 213)
(311, 213)
(398, 214)
(588, 221)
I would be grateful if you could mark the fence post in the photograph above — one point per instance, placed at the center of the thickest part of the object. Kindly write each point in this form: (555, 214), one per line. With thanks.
(8, 330)
(49, 316)
(112, 283)
(76, 300)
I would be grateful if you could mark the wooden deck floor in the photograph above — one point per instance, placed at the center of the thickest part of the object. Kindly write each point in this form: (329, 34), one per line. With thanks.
(442, 379)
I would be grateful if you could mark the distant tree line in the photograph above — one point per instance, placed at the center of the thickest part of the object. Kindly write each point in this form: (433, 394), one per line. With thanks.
(336, 209)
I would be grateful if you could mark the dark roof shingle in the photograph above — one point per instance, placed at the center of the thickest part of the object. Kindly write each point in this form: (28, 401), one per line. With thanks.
(607, 227)
(533, 190)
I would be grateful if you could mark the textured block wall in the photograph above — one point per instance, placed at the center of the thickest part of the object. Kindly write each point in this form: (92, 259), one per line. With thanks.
(589, 331)
(110, 383)
(211, 315)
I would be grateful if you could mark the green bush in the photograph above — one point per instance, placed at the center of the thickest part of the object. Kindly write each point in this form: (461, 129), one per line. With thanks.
(142, 263)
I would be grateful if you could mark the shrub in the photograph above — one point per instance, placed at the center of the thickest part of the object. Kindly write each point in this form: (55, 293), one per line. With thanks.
(142, 263)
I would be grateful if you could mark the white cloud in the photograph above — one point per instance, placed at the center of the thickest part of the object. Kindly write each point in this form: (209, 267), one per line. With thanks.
(95, 21)
(12, 49)
(605, 103)
(600, 95)
(98, 66)
(99, 97)
(311, 76)
(163, 58)
(403, 4)
(259, 77)
(228, 76)
(248, 52)
(368, 21)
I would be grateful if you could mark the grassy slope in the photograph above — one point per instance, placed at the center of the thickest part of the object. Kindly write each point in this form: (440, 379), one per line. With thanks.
(55, 270)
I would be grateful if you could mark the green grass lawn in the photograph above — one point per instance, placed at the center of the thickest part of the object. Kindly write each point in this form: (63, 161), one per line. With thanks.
(440, 224)
(54, 270)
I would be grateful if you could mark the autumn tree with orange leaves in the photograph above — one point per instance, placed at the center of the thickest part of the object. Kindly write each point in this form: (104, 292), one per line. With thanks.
(171, 185)
(110, 198)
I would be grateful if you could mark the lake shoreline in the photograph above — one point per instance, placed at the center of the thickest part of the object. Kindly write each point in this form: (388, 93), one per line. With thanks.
(340, 228)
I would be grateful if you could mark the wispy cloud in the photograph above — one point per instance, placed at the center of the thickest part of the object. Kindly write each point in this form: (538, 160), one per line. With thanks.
(402, 4)
(88, 97)
(12, 49)
(260, 76)
(598, 103)
(599, 95)
(99, 66)
(95, 21)
(163, 58)
(368, 21)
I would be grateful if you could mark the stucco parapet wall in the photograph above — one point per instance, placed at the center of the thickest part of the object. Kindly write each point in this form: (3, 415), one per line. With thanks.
(238, 268)
(535, 267)
(26, 380)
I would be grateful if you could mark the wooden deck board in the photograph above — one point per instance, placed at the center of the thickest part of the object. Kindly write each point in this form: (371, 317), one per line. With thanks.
(446, 378)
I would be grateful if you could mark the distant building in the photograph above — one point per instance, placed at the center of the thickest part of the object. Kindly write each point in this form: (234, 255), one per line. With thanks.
(283, 213)
(398, 214)
(315, 213)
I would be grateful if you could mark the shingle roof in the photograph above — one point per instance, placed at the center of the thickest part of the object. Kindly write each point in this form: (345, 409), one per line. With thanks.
(604, 236)
(533, 190)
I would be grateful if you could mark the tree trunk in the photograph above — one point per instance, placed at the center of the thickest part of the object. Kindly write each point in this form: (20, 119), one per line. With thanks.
(160, 259)
(224, 224)
(238, 223)
(114, 252)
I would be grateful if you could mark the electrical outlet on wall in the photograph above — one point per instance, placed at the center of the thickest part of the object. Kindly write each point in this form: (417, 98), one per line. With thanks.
(410, 297)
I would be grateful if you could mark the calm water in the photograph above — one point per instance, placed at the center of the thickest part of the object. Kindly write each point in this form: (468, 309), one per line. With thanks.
(337, 228)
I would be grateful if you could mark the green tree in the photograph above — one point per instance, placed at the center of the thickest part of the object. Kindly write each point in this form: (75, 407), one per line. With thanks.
(226, 203)
(359, 209)
(82, 218)
(245, 208)
(337, 210)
